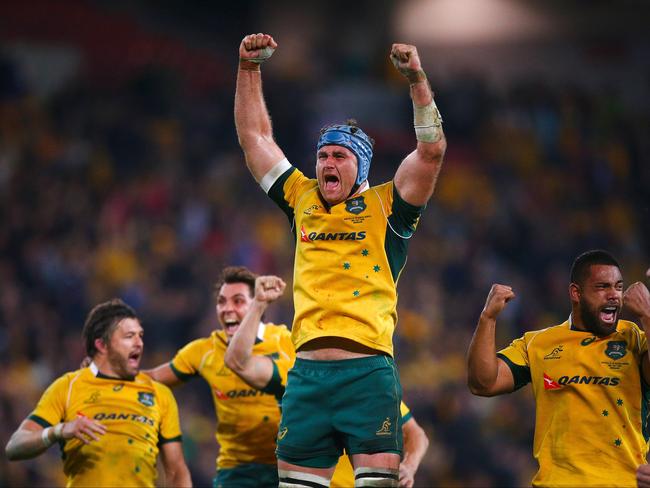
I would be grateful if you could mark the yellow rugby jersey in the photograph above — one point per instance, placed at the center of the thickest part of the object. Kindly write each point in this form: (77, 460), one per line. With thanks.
(591, 421)
(247, 419)
(347, 260)
(139, 415)
(343, 476)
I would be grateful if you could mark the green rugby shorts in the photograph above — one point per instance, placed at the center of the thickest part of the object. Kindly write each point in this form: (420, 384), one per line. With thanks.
(329, 406)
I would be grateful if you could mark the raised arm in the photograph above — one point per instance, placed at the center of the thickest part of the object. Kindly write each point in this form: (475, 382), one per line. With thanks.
(252, 119)
(488, 375)
(416, 176)
(416, 444)
(257, 371)
(637, 300)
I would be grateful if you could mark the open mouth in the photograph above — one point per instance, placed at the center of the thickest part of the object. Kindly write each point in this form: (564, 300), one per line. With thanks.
(134, 358)
(608, 315)
(230, 326)
(331, 182)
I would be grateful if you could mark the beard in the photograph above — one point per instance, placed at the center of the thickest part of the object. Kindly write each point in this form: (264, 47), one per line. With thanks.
(120, 365)
(592, 322)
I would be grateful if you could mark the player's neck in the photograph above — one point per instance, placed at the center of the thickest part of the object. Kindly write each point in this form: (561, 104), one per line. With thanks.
(104, 369)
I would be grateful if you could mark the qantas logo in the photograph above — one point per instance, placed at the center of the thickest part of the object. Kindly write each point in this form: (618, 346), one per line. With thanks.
(331, 236)
(142, 419)
(303, 234)
(237, 393)
(551, 384)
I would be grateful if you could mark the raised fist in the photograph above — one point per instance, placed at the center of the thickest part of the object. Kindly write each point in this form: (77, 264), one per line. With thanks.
(269, 288)
(637, 299)
(405, 58)
(257, 48)
(496, 300)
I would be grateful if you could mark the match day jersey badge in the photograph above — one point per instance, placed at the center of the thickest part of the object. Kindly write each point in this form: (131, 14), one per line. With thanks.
(616, 349)
(355, 205)
(145, 398)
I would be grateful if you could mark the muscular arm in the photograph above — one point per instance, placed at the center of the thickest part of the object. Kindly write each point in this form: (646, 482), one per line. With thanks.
(176, 472)
(416, 176)
(416, 444)
(252, 119)
(28, 441)
(637, 300)
(254, 370)
(164, 374)
(488, 375)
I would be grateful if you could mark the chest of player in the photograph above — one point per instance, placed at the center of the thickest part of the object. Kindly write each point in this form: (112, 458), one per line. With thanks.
(357, 222)
(228, 387)
(585, 361)
(119, 405)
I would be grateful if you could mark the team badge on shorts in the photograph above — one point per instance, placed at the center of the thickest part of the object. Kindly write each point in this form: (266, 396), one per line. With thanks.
(146, 398)
(616, 349)
(355, 205)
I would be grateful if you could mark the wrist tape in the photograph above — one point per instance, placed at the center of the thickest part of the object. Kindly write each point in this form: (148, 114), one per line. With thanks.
(45, 435)
(427, 122)
(264, 54)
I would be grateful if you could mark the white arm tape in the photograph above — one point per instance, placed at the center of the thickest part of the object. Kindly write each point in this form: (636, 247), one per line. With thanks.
(427, 122)
(58, 431)
(45, 435)
(273, 174)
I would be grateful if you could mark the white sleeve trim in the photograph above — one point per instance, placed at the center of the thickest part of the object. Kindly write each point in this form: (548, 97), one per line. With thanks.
(273, 174)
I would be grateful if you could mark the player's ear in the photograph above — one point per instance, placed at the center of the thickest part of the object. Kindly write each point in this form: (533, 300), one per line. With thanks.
(574, 292)
(100, 345)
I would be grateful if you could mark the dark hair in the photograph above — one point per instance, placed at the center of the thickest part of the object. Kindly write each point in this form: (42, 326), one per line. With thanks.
(102, 321)
(581, 265)
(236, 274)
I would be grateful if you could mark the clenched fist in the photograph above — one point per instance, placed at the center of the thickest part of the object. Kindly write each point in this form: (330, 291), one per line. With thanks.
(497, 299)
(405, 58)
(268, 288)
(637, 300)
(256, 48)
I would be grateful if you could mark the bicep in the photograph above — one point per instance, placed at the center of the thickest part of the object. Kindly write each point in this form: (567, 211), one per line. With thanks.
(262, 156)
(413, 432)
(416, 178)
(164, 374)
(257, 372)
(505, 381)
(30, 425)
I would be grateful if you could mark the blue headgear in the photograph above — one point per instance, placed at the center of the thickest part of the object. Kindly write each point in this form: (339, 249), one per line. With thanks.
(354, 139)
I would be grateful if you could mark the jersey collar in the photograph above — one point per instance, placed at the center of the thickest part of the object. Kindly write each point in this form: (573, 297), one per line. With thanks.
(98, 374)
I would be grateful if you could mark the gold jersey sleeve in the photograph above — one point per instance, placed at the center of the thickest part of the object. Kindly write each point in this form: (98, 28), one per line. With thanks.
(247, 418)
(591, 403)
(139, 415)
(343, 476)
(348, 259)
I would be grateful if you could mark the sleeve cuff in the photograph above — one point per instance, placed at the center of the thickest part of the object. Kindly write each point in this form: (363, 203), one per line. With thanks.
(274, 173)
(179, 374)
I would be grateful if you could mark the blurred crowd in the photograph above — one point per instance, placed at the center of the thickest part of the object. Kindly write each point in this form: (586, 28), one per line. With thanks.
(139, 190)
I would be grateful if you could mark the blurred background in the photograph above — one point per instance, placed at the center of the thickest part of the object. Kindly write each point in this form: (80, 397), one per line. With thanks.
(120, 175)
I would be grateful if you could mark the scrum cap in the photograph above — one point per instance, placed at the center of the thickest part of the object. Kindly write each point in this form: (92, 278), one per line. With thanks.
(354, 139)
